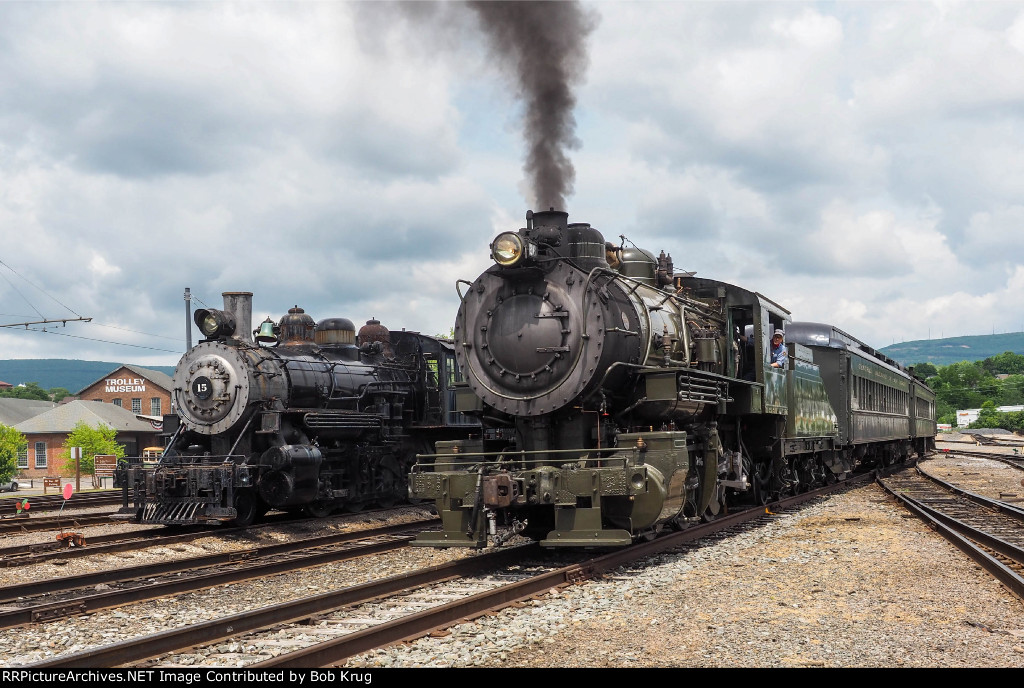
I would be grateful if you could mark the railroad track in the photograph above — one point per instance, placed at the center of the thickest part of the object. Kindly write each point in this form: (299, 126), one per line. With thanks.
(29, 525)
(122, 541)
(989, 531)
(988, 440)
(1015, 460)
(56, 550)
(78, 500)
(326, 628)
(46, 600)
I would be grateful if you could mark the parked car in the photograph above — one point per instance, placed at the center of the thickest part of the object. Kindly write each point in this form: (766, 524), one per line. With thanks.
(9, 486)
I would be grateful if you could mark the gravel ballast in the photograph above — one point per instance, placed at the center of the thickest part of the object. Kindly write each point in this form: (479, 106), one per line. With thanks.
(852, 581)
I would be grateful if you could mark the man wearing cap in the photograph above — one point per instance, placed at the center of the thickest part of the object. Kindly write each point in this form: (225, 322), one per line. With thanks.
(778, 355)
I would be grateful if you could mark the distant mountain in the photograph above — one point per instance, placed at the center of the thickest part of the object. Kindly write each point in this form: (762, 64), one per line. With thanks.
(942, 352)
(60, 372)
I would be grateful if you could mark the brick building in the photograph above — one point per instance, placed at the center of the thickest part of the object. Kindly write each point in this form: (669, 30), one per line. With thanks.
(139, 390)
(47, 432)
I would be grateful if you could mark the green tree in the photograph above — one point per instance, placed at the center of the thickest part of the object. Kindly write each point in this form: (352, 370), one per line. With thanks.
(12, 443)
(1011, 391)
(58, 393)
(963, 385)
(988, 417)
(1007, 363)
(944, 413)
(970, 384)
(925, 370)
(31, 390)
(93, 441)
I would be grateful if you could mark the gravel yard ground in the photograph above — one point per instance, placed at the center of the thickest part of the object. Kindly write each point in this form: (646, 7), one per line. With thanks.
(852, 581)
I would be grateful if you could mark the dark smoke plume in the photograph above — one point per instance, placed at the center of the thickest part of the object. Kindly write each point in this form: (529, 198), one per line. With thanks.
(543, 45)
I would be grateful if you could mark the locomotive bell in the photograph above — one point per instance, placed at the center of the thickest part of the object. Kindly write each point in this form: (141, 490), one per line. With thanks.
(266, 334)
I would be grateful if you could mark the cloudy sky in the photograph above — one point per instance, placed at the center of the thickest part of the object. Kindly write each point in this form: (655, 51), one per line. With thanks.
(860, 163)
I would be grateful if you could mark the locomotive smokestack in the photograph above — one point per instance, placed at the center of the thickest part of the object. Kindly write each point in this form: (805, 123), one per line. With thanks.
(239, 305)
(551, 218)
(543, 44)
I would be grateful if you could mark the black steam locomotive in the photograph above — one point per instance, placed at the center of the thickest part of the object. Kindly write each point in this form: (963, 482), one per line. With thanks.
(308, 417)
(635, 399)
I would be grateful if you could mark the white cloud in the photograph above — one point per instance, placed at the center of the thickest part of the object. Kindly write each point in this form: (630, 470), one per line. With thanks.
(857, 162)
(101, 268)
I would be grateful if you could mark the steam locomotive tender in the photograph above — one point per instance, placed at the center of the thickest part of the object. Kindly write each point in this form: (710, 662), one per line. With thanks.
(635, 399)
(307, 417)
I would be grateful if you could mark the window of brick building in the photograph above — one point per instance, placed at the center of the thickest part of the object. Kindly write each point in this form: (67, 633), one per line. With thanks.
(40, 454)
(154, 406)
(23, 458)
(136, 405)
(116, 402)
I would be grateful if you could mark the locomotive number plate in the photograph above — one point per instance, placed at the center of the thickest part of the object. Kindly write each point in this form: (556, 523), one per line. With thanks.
(202, 388)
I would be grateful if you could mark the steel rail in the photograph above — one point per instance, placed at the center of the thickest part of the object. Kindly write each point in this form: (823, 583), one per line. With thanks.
(178, 639)
(36, 552)
(995, 504)
(245, 569)
(29, 525)
(1015, 460)
(941, 525)
(88, 580)
(79, 500)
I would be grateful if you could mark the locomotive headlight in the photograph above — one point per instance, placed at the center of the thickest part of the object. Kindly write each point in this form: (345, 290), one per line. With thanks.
(213, 323)
(507, 249)
(209, 325)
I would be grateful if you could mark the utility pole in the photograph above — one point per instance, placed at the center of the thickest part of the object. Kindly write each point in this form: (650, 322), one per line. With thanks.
(188, 319)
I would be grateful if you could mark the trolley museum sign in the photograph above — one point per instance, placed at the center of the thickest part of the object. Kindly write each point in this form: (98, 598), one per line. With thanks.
(125, 384)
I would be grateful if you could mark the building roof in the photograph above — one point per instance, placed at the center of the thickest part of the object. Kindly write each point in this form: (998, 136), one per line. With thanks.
(159, 379)
(63, 418)
(14, 411)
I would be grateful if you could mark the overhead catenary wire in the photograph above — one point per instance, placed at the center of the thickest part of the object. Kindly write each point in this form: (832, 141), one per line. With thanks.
(27, 321)
(102, 341)
(127, 329)
(54, 299)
